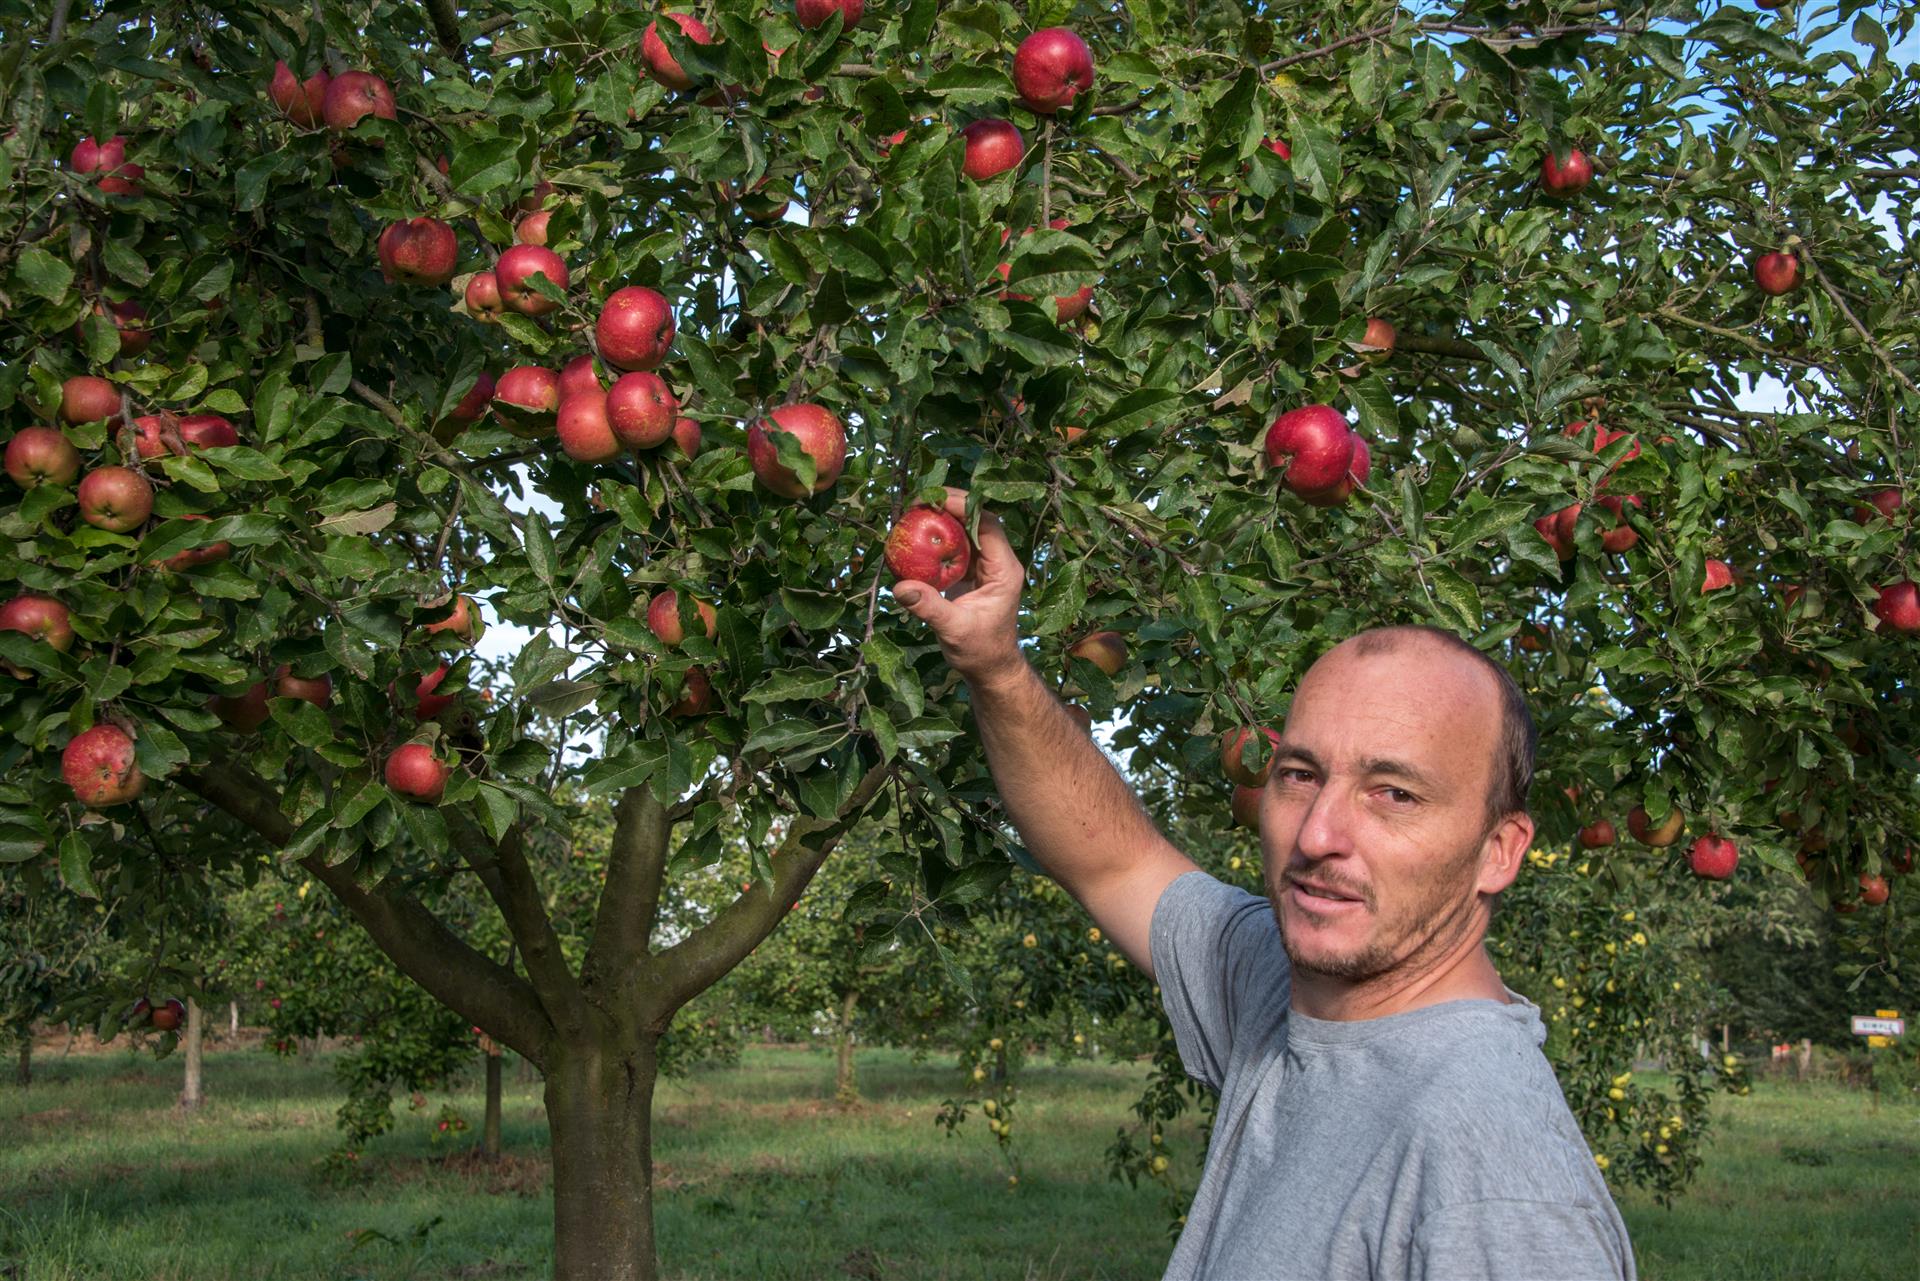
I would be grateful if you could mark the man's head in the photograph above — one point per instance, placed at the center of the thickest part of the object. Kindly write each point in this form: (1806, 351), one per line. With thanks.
(1400, 785)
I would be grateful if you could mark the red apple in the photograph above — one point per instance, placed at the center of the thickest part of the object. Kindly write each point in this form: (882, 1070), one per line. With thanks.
(1898, 606)
(1644, 831)
(585, 434)
(821, 437)
(993, 147)
(696, 695)
(88, 399)
(1885, 503)
(462, 622)
(1901, 859)
(661, 64)
(1357, 472)
(352, 96)
(532, 228)
(1874, 890)
(579, 375)
(663, 618)
(1622, 536)
(1719, 574)
(928, 545)
(129, 319)
(535, 200)
(419, 251)
(194, 556)
(1776, 273)
(1533, 638)
(532, 390)
(1378, 342)
(98, 765)
(641, 409)
(1233, 763)
(473, 406)
(207, 431)
(1597, 835)
(1558, 528)
(1105, 650)
(1051, 68)
(1246, 807)
(41, 456)
(168, 1015)
(1713, 856)
(302, 102)
(426, 703)
(483, 296)
(317, 690)
(1560, 179)
(416, 773)
(40, 617)
(108, 159)
(813, 13)
(634, 328)
(520, 264)
(243, 712)
(686, 437)
(1278, 148)
(1315, 447)
(116, 499)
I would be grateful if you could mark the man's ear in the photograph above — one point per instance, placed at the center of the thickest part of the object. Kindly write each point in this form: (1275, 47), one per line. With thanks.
(1506, 845)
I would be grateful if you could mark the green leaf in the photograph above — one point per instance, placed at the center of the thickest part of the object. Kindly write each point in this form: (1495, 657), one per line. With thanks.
(39, 272)
(794, 685)
(76, 866)
(307, 724)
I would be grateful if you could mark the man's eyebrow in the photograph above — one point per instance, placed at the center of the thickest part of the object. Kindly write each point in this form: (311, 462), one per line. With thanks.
(1387, 767)
(1285, 751)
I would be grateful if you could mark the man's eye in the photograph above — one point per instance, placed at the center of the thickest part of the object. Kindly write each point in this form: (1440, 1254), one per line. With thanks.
(1401, 796)
(1296, 776)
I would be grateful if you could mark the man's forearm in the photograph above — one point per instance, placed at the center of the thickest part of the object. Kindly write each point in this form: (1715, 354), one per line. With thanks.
(1077, 816)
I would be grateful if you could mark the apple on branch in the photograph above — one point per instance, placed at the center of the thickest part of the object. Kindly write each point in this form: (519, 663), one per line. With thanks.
(462, 622)
(416, 773)
(634, 329)
(812, 14)
(1233, 764)
(244, 712)
(482, 296)
(993, 147)
(663, 618)
(1713, 856)
(582, 427)
(301, 101)
(1597, 835)
(1565, 177)
(317, 690)
(1106, 650)
(1776, 273)
(1660, 835)
(1898, 606)
(352, 96)
(661, 64)
(819, 435)
(41, 456)
(928, 545)
(98, 764)
(1318, 455)
(419, 251)
(531, 395)
(88, 399)
(192, 557)
(116, 499)
(1051, 68)
(517, 267)
(1246, 806)
(1719, 574)
(40, 617)
(641, 409)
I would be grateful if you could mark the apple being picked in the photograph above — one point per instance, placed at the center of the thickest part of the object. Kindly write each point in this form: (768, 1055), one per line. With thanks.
(98, 764)
(517, 267)
(820, 436)
(1776, 273)
(1565, 178)
(634, 329)
(416, 773)
(419, 251)
(928, 545)
(41, 456)
(1713, 856)
(1051, 68)
(116, 499)
(663, 618)
(993, 147)
(352, 96)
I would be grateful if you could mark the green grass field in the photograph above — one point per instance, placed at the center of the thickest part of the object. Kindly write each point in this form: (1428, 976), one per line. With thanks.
(761, 1176)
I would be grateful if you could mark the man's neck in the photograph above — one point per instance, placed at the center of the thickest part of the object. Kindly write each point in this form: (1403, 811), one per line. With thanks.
(1468, 976)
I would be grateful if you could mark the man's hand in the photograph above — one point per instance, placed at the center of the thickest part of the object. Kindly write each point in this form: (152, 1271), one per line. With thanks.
(978, 627)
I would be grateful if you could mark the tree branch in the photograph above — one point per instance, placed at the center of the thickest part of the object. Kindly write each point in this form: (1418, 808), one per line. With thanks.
(668, 981)
(1873, 344)
(57, 28)
(516, 892)
(466, 981)
(446, 28)
(630, 899)
(1430, 346)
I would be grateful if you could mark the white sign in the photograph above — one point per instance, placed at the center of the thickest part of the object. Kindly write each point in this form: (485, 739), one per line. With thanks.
(1864, 1026)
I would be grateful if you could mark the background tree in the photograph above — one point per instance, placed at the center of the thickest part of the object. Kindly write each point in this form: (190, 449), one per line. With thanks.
(1452, 231)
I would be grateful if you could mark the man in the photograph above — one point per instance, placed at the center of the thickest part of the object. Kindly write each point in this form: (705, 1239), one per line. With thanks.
(1385, 1110)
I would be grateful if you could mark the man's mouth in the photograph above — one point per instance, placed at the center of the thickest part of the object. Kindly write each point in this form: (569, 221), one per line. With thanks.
(1320, 897)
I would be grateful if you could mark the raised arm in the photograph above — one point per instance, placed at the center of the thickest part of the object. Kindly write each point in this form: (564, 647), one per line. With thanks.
(1077, 816)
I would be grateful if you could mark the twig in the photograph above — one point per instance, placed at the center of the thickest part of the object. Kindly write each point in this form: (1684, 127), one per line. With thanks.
(57, 27)
(1371, 33)
(1873, 344)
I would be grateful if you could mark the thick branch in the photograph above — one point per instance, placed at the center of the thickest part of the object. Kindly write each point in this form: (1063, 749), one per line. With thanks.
(57, 28)
(446, 28)
(703, 958)
(630, 899)
(1428, 346)
(466, 981)
(510, 883)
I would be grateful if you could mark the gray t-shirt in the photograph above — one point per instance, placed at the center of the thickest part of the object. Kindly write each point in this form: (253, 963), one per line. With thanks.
(1432, 1144)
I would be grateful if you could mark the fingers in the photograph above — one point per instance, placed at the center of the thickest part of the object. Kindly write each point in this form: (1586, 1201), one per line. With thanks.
(995, 559)
(924, 603)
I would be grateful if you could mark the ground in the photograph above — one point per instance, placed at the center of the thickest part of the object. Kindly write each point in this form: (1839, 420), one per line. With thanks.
(762, 1177)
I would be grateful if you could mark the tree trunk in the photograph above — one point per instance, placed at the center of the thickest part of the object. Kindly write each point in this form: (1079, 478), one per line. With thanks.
(1806, 1058)
(600, 1117)
(233, 1019)
(490, 1130)
(845, 1090)
(196, 1028)
(23, 1066)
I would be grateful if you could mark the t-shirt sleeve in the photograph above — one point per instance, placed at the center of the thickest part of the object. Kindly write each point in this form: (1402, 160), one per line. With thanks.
(1522, 1240)
(1218, 960)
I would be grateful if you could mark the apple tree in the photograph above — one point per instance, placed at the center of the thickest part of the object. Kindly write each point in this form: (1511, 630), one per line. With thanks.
(330, 332)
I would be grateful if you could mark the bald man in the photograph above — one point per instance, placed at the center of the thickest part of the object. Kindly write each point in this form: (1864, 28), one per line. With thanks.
(1385, 1110)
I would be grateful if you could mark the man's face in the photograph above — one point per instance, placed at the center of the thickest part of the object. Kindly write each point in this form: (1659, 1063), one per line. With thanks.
(1378, 794)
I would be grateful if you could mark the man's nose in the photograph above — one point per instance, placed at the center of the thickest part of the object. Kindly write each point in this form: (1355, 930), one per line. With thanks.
(1325, 828)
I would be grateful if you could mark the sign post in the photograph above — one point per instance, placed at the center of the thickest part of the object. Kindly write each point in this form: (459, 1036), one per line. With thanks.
(1880, 1028)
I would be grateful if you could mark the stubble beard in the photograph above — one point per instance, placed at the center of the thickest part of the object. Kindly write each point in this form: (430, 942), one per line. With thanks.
(1408, 946)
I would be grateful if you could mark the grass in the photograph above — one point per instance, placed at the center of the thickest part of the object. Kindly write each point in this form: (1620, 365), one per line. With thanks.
(760, 1176)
